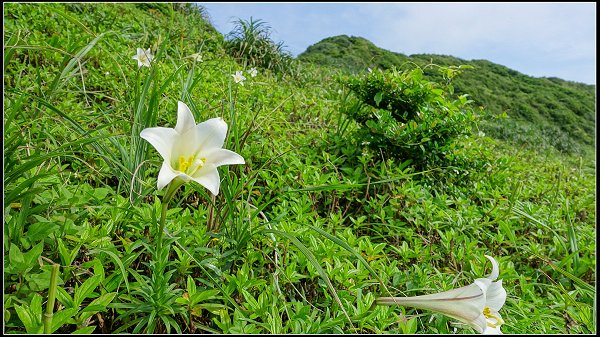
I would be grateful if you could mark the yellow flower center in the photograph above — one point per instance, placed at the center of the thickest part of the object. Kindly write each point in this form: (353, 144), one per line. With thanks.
(489, 314)
(191, 164)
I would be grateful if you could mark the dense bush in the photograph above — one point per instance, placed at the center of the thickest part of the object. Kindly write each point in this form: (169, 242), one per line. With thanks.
(408, 117)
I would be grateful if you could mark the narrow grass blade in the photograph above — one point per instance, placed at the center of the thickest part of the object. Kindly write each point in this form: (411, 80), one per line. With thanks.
(309, 255)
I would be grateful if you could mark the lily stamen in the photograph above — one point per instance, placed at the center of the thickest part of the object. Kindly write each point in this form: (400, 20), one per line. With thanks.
(489, 315)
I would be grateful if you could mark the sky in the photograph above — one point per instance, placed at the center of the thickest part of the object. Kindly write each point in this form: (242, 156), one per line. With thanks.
(536, 39)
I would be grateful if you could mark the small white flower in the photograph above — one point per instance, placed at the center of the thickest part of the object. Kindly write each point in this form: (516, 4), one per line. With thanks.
(369, 70)
(190, 151)
(144, 57)
(477, 304)
(238, 77)
(253, 72)
(196, 57)
(481, 134)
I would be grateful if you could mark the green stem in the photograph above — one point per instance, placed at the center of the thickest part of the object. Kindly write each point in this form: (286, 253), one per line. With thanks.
(51, 299)
(171, 189)
(161, 224)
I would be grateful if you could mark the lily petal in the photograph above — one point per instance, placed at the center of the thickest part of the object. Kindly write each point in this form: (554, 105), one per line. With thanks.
(211, 133)
(464, 304)
(162, 139)
(208, 176)
(495, 296)
(218, 157)
(166, 175)
(495, 269)
(185, 118)
(492, 331)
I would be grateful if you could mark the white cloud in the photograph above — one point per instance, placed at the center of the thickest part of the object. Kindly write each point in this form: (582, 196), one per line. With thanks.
(458, 27)
(538, 39)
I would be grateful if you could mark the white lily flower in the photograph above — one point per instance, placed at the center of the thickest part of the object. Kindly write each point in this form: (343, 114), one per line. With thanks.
(190, 151)
(144, 57)
(253, 72)
(477, 304)
(238, 77)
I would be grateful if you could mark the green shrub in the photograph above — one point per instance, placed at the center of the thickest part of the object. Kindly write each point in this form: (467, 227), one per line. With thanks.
(405, 116)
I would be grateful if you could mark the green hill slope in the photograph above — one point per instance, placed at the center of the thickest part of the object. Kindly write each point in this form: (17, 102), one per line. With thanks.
(302, 238)
(558, 112)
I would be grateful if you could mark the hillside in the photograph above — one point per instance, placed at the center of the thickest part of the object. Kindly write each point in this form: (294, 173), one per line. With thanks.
(559, 112)
(160, 177)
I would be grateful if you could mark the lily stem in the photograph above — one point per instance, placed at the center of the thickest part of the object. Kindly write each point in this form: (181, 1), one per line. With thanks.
(51, 299)
(171, 189)
(161, 224)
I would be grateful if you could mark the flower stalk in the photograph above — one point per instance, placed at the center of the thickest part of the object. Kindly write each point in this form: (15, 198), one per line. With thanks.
(169, 193)
(51, 299)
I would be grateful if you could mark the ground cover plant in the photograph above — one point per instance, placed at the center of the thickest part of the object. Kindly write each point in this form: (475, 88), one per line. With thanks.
(111, 228)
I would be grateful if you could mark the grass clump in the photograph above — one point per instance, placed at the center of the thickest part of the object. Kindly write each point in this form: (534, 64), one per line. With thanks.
(251, 45)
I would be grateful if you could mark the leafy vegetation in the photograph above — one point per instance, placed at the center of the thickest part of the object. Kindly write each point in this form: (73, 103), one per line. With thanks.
(406, 117)
(556, 113)
(302, 238)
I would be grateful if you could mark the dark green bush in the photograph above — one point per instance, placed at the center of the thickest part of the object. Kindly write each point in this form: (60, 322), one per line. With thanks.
(405, 116)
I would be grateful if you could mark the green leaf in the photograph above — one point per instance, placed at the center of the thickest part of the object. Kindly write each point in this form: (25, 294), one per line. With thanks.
(104, 299)
(40, 281)
(204, 295)
(91, 309)
(117, 262)
(587, 287)
(84, 331)
(378, 97)
(31, 326)
(16, 259)
(61, 318)
(97, 305)
(191, 286)
(410, 326)
(40, 230)
(31, 256)
(31, 315)
(64, 297)
(67, 257)
(86, 289)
